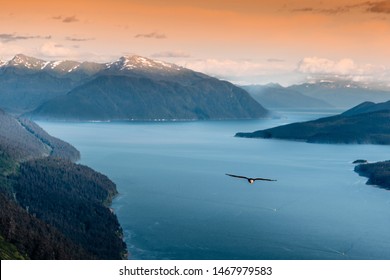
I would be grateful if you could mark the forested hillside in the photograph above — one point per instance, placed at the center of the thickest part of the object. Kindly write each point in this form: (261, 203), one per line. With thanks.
(22, 139)
(52, 208)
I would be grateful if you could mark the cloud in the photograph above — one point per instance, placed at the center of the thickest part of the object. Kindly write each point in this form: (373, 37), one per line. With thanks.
(379, 7)
(336, 10)
(171, 54)
(78, 39)
(315, 65)
(53, 49)
(152, 35)
(70, 19)
(367, 6)
(307, 9)
(9, 50)
(242, 71)
(322, 68)
(8, 37)
(67, 19)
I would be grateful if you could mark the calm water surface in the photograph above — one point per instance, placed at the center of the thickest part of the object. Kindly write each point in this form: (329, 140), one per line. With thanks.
(176, 202)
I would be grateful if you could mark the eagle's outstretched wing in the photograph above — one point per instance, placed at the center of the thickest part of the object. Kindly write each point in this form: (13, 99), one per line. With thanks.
(237, 176)
(263, 179)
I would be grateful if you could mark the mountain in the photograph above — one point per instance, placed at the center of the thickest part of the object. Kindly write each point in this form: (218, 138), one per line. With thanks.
(135, 64)
(132, 87)
(133, 98)
(371, 127)
(341, 94)
(50, 207)
(276, 96)
(148, 97)
(27, 82)
(24, 64)
(367, 107)
(138, 66)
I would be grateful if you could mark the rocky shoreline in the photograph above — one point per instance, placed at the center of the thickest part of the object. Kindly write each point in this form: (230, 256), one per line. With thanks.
(378, 173)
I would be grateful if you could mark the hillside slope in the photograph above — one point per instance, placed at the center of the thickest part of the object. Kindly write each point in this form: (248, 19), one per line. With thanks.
(134, 98)
(22, 140)
(50, 207)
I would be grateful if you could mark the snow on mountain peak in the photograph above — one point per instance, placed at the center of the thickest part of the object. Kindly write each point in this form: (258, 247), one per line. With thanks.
(124, 63)
(22, 60)
(140, 62)
(62, 66)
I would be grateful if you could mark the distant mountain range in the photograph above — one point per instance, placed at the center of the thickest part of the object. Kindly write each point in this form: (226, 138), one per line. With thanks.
(27, 83)
(341, 93)
(276, 96)
(367, 123)
(131, 88)
(321, 94)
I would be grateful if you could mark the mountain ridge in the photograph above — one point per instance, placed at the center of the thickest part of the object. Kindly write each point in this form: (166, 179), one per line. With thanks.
(33, 85)
(113, 97)
(277, 96)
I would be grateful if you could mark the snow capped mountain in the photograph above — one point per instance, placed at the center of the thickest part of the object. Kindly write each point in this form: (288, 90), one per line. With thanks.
(123, 64)
(23, 61)
(141, 63)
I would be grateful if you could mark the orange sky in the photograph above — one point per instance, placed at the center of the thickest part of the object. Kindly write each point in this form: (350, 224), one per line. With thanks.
(243, 41)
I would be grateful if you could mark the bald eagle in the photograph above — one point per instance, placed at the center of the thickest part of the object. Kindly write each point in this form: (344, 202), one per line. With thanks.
(250, 180)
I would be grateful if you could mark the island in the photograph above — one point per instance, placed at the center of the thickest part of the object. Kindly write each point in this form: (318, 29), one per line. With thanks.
(367, 123)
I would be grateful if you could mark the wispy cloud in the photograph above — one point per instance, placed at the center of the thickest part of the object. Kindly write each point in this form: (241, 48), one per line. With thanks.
(9, 37)
(172, 54)
(66, 19)
(78, 39)
(379, 7)
(307, 9)
(70, 19)
(330, 11)
(152, 35)
(365, 7)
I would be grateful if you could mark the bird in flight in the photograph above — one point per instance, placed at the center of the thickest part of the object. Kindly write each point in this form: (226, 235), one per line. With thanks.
(250, 180)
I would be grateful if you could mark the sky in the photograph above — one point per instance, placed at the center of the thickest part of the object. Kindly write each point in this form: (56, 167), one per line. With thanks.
(243, 41)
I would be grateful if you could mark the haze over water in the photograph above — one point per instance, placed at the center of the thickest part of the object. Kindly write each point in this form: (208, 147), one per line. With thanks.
(176, 202)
